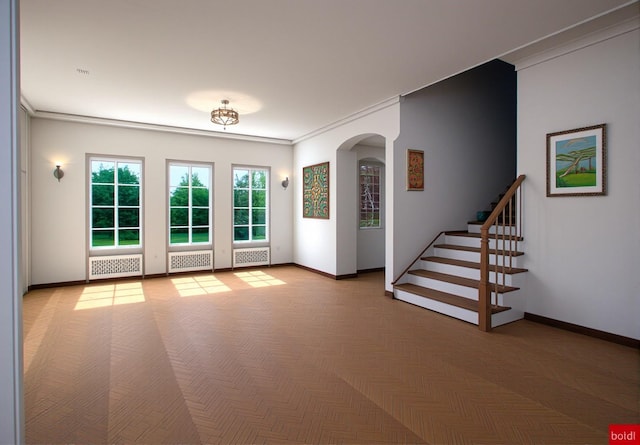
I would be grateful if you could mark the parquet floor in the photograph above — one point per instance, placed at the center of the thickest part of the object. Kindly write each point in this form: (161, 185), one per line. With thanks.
(283, 355)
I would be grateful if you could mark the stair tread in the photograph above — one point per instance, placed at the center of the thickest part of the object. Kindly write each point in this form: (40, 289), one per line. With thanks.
(479, 223)
(444, 297)
(462, 281)
(471, 264)
(472, 249)
(477, 235)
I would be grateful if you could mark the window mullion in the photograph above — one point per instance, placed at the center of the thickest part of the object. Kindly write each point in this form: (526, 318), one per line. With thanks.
(250, 205)
(116, 205)
(189, 205)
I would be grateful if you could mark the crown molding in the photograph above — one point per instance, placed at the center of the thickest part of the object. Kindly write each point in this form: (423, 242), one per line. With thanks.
(152, 127)
(573, 39)
(26, 105)
(355, 116)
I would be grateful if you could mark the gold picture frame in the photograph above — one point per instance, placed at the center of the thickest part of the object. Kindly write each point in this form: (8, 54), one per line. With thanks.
(577, 162)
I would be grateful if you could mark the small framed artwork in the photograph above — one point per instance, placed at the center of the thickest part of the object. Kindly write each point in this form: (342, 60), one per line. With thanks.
(415, 169)
(577, 162)
(315, 191)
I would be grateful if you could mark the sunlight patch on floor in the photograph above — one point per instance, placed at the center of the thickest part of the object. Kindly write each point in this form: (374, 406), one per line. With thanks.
(110, 295)
(199, 285)
(258, 279)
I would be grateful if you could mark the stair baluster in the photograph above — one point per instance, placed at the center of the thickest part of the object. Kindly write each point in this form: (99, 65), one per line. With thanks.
(501, 217)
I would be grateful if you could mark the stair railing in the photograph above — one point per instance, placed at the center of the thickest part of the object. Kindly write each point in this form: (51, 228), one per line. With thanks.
(504, 218)
(417, 258)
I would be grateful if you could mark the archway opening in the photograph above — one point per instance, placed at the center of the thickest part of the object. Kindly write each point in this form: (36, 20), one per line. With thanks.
(360, 228)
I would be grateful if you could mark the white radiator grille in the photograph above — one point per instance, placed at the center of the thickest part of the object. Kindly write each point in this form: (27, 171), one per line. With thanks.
(256, 256)
(190, 261)
(115, 266)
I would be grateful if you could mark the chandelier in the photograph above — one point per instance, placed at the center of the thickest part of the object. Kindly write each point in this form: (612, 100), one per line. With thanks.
(225, 116)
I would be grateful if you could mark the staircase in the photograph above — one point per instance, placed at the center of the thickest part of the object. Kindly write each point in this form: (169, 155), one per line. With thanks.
(449, 276)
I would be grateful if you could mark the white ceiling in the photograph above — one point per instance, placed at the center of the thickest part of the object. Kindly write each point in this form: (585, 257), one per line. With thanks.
(290, 67)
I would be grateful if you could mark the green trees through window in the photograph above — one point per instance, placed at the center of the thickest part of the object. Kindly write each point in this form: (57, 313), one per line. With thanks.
(189, 204)
(250, 204)
(115, 203)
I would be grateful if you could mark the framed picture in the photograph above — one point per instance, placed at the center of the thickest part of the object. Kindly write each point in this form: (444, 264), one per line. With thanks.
(577, 162)
(315, 191)
(415, 169)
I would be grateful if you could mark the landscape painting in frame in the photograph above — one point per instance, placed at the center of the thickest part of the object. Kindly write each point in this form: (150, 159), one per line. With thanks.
(315, 191)
(577, 162)
(415, 169)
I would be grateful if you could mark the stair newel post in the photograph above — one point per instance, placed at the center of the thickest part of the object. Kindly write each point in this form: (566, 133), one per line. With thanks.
(484, 296)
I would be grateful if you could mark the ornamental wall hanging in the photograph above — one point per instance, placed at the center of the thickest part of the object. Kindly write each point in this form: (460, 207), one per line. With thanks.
(315, 191)
(415, 169)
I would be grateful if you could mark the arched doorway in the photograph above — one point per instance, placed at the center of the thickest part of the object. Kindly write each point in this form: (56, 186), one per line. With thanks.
(360, 244)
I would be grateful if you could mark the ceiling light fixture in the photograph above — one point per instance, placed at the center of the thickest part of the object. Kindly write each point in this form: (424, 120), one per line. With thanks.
(225, 116)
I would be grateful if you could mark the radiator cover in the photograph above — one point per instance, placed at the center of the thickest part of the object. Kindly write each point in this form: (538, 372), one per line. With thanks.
(115, 266)
(254, 256)
(190, 261)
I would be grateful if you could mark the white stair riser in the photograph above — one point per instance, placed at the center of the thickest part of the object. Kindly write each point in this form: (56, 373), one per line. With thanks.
(469, 241)
(457, 254)
(472, 256)
(451, 269)
(443, 286)
(514, 300)
(475, 228)
(498, 319)
(437, 306)
(506, 317)
(465, 272)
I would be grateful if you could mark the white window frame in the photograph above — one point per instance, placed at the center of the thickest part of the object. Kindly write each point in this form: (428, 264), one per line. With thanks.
(251, 225)
(90, 207)
(380, 167)
(190, 227)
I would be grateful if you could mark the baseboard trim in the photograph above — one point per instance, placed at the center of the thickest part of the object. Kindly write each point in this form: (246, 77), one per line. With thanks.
(375, 269)
(319, 272)
(602, 335)
(346, 276)
(328, 275)
(60, 284)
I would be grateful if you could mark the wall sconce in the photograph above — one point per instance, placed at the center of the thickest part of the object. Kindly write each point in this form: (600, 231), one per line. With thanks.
(58, 173)
(285, 183)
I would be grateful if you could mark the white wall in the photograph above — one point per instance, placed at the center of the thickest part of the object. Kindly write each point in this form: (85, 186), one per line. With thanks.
(59, 209)
(11, 390)
(371, 240)
(316, 240)
(346, 214)
(583, 253)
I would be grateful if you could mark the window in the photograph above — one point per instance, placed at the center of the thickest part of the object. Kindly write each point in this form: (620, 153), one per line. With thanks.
(250, 204)
(370, 179)
(115, 203)
(189, 204)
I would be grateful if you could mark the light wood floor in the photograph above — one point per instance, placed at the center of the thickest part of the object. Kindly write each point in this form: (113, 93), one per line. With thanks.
(283, 355)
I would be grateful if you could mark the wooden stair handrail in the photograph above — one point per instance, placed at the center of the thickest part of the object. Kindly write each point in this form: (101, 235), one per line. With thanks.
(417, 258)
(502, 204)
(484, 290)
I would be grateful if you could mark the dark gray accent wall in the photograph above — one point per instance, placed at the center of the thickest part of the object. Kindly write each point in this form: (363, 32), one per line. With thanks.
(466, 126)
